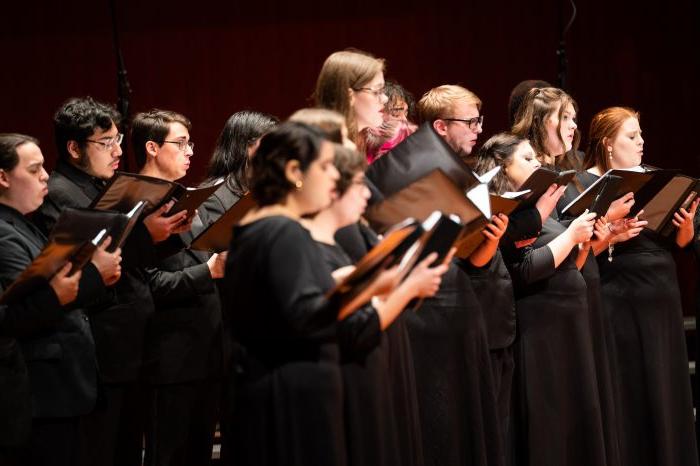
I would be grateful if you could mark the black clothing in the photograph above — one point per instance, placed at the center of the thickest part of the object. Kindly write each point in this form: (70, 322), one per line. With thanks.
(61, 358)
(370, 423)
(602, 336)
(642, 302)
(460, 423)
(37, 312)
(557, 417)
(218, 203)
(289, 400)
(60, 355)
(184, 361)
(182, 422)
(118, 325)
(356, 240)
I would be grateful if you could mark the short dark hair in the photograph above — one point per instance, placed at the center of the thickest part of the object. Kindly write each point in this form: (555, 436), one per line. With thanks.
(230, 157)
(9, 142)
(348, 162)
(78, 118)
(289, 141)
(518, 94)
(153, 125)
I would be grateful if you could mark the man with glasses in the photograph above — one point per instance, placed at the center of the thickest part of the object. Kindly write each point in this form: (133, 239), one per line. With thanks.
(87, 140)
(184, 342)
(454, 113)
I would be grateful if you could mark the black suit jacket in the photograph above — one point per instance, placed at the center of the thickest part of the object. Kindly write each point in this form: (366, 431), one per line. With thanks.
(184, 338)
(119, 323)
(32, 315)
(59, 350)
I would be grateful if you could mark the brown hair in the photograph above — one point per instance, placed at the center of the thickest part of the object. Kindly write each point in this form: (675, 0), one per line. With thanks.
(341, 72)
(328, 121)
(604, 126)
(153, 125)
(537, 106)
(498, 152)
(440, 101)
(348, 162)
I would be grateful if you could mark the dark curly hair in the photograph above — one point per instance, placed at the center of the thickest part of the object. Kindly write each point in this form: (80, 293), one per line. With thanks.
(77, 119)
(230, 157)
(289, 141)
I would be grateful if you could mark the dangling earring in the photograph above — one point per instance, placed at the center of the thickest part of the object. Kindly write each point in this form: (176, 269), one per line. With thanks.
(610, 153)
(298, 184)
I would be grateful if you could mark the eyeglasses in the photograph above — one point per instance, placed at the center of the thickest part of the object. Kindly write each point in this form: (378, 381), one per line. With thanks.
(109, 143)
(378, 93)
(472, 123)
(182, 144)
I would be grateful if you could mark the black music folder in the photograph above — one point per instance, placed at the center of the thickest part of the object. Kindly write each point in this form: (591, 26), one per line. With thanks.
(604, 193)
(414, 158)
(679, 191)
(55, 255)
(125, 190)
(405, 245)
(86, 223)
(537, 184)
(632, 181)
(217, 236)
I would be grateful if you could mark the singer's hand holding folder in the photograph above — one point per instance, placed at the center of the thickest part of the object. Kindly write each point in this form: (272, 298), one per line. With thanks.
(55, 255)
(125, 190)
(403, 246)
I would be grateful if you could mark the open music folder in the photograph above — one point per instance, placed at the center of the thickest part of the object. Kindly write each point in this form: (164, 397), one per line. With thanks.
(86, 223)
(55, 255)
(405, 245)
(631, 181)
(537, 184)
(125, 190)
(217, 236)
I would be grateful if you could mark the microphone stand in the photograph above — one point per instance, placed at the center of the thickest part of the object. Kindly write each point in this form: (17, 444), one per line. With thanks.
(123, 86)
(561, 51)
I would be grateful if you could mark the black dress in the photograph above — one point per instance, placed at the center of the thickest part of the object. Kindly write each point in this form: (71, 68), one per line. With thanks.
(288, 407)
(458, 414)
(557, 418)
(356, 241)
(370, 423)
(650, 361)
(601, 332)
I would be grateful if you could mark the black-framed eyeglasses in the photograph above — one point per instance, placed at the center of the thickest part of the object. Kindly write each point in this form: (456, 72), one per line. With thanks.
(472, 123)
(108, 144)
(182, 144)
(378, 93)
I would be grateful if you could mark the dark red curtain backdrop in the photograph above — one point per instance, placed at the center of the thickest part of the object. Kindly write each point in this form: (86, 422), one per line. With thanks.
(210, 59)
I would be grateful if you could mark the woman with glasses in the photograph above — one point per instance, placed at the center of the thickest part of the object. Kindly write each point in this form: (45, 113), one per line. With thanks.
(234, 148)
(288, 404)
(351, 82)
(642, 303)
(184, 339)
